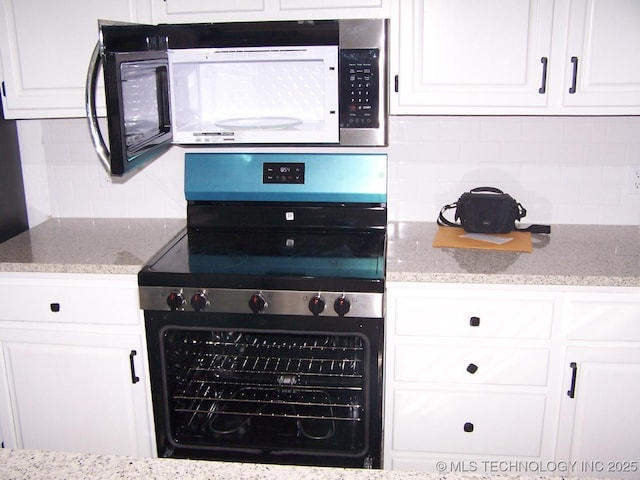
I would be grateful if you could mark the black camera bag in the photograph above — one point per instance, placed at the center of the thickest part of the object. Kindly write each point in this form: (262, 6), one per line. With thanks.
(488, 210)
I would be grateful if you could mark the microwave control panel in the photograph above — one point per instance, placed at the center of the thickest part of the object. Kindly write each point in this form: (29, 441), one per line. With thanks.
(359, 88)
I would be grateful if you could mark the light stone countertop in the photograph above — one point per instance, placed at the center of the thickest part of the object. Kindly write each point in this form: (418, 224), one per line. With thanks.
(582, 255)
(38, 465)
(84, 245)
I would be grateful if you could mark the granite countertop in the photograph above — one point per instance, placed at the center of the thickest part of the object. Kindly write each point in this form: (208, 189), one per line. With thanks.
(30, 464)
(82, 245)
(582, 255)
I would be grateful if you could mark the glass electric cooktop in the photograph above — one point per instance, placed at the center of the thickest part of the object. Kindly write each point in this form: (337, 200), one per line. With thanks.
(292, 259)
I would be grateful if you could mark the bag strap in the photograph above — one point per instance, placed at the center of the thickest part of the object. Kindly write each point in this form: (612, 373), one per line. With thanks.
(486, 189)
(443, 221)
(531, 228)
(535, 229)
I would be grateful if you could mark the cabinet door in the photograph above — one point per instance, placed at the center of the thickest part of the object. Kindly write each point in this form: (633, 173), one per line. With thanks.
(600, 427)
(601, 61)
(457, 56)
(75, 392)
(45, 48)
(180, 11)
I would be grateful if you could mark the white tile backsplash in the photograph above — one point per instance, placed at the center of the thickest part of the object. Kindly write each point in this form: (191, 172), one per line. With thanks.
(562, 169)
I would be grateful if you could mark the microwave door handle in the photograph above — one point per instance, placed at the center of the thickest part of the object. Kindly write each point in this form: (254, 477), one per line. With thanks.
(90, 98)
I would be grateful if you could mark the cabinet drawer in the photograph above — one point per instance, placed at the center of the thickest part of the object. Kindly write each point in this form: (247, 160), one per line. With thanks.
(602, 320)
(471, 365)
(92, 299)
(478, 317)
(468, 423)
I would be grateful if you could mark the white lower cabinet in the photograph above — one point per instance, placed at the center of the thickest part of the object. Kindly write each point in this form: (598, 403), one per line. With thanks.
(74, 385)
(600, 426)
(74, 391)
(467, 377)
(513, 380)
(599, 430)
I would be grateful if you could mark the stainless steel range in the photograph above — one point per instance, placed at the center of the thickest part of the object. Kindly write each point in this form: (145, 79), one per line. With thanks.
(264, 317)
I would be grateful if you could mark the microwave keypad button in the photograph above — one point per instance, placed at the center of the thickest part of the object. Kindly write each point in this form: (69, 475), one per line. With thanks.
(360, 89)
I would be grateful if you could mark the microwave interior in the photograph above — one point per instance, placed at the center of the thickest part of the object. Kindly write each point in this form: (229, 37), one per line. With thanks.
(254, 94)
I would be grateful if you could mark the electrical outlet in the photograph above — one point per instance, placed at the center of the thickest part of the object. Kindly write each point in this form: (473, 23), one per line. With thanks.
(633, 179)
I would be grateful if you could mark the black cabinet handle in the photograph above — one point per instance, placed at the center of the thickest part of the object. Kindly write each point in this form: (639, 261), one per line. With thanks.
(54, 307)
(468, 427)
(472, 368)
(543, 88)
(572, 390)
(574, 80)
(134, 377)
(396, 82)
(474, 321)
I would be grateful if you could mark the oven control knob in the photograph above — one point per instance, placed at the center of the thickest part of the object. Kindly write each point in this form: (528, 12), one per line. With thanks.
(257, 303)
(342, 305)
(175, 300)
(199, 301)
(316, 305)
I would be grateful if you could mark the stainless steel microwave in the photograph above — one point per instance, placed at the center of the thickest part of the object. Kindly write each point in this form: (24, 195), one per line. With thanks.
(237, 84)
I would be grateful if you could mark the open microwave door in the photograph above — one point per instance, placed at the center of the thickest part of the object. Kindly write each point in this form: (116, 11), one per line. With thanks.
(135, 68)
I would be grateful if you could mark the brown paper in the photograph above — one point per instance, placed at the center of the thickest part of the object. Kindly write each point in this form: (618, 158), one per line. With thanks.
(450, 237)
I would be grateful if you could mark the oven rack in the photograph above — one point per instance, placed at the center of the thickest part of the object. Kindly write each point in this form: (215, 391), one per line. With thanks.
(275, 350)
(260, 399)
(298, 366)
(272, 403)
(313, 380)
(239, 383)
(300, 375)
(282, 361)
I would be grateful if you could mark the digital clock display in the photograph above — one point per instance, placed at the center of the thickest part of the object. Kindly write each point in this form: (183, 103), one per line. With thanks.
(283, 173)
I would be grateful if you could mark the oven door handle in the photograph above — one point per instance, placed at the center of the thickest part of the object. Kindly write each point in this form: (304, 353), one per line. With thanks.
(99, 144)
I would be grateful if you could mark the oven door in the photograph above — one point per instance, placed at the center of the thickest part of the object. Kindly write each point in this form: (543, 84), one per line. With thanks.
(266, 388)
(135, 67)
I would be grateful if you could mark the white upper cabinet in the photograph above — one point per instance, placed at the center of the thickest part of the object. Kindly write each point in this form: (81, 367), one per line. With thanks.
(45, 48)
(456, 56)
(460, 57)
(515, 57)
(183, 11)
(602, 64)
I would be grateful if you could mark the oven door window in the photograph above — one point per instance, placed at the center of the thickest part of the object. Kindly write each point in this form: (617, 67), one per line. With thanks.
(136, 86)
(266, 392)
